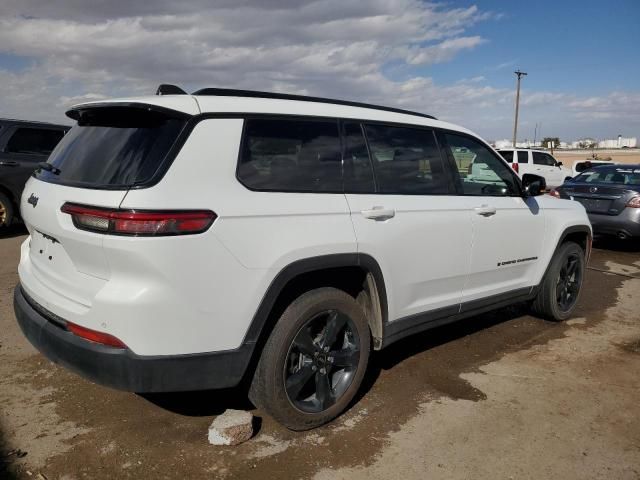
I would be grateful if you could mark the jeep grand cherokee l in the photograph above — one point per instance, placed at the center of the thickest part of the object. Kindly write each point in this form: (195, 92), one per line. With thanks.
(185, 242)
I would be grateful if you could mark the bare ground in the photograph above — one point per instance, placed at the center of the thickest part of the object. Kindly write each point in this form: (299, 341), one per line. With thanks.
(502, 395)
(626, 156)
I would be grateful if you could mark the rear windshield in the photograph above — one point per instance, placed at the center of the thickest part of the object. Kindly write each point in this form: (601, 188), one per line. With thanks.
(113, 147)
(613, 175)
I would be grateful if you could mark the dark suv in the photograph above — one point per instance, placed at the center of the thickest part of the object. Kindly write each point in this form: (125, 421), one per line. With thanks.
(23, 145)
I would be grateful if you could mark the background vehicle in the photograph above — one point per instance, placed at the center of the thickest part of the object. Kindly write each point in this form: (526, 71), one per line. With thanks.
(537, 162)
(178, 243)
(611, 196)
(22, 146)
(580, 166)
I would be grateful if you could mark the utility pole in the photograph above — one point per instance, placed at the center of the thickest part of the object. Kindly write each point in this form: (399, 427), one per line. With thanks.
(535, 134)
(519, 74)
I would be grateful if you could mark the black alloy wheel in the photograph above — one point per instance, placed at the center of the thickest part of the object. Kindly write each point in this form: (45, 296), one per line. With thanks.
(569, 282)
(321, 362)
(314, 360)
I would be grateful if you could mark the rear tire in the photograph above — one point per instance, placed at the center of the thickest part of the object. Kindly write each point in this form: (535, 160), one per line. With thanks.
(314, 360)
(6, 211)
(560, 289)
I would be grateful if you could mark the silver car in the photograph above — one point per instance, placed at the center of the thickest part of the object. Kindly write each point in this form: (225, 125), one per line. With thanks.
(611, 196)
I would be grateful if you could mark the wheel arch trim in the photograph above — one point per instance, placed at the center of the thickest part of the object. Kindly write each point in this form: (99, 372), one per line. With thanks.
(256, 329)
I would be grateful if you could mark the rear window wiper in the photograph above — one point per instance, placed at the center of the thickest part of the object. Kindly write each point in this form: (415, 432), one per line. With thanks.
(49, 168)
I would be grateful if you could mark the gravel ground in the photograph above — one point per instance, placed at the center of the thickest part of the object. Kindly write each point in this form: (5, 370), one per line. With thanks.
(501, 395)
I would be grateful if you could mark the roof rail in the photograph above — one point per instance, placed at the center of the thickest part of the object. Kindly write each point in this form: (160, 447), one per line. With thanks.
(230, 92)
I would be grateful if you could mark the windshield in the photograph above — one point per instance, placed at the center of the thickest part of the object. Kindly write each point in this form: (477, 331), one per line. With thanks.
(113, 147)
(613, 175)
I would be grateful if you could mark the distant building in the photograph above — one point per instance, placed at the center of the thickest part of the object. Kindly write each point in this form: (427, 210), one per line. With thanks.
(619, 142)
(586, 142)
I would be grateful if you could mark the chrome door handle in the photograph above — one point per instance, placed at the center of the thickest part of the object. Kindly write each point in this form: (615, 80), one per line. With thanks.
(485, 210)
(379, 213)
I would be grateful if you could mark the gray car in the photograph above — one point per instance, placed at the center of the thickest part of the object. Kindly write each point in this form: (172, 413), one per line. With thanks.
(611, 196)
(23, 145)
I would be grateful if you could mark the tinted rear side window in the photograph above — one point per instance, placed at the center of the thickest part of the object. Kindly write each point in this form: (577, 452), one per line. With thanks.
(33, 141)
(508, 155)
(406, 161)
(291, 155)
(113, 147)
(523, 157)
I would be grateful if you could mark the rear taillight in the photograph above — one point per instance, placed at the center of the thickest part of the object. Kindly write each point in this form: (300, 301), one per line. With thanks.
(137, 222)
(634, 202)
(515, 167)
(554, 193)
(96, 337)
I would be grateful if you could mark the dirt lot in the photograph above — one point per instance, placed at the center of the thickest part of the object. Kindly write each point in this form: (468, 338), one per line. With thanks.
(617, 155)
(502, 395)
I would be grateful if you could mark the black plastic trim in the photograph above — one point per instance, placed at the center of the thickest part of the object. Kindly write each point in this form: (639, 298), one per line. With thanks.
(404, 327)
(230, 92)
(121, 368)
(307, 265)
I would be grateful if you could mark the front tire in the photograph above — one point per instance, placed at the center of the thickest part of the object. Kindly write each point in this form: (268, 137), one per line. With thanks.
(560, 289)
(314, 360)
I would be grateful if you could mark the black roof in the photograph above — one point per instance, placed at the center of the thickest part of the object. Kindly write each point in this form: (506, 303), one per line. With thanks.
(632, 166)
(230, 92)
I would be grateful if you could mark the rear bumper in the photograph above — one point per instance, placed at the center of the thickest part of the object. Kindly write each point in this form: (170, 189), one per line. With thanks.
(121, 368)
(628, 222)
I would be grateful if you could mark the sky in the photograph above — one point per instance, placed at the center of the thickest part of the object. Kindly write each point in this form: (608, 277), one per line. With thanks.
(454, 59)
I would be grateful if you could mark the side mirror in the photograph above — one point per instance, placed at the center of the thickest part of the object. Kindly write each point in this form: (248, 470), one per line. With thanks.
(559, 164)
(534, 185)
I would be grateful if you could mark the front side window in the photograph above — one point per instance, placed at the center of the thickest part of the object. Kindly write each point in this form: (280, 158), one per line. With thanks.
(481, 172)
(33, 141)
(291, 155)
(541, 158)
(406, 161)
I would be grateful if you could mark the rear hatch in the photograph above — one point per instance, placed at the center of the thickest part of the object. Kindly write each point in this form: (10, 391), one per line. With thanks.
(111, 150)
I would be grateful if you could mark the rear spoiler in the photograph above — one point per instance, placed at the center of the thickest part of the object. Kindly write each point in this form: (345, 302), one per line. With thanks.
(76, 112)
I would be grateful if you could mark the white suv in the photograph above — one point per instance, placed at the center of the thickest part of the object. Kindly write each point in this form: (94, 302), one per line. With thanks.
(185, 242)
(537, 162)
